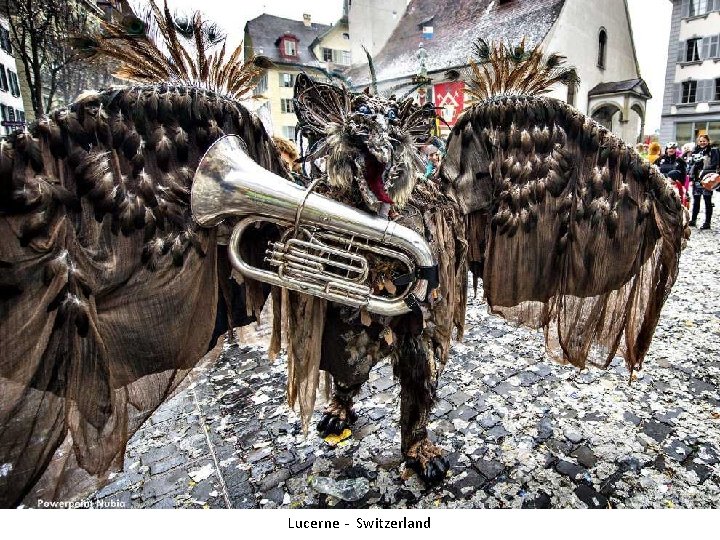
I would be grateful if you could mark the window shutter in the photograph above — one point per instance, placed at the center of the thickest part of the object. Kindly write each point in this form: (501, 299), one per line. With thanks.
(686, 8)
(682, 51)
(706, 92)
(700, 91)
(678, 93)
(705, 51)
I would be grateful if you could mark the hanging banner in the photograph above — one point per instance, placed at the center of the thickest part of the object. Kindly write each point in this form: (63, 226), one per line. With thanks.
(450, 100)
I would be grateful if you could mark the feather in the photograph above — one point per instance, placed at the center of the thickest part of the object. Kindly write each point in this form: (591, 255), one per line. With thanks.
(146, 189)
(150, 225)
(64, 197)
(515, 70)
(181, 145)
(163, 149)
(154, 51)
(118, 129)
(131, 144)
(138, 163)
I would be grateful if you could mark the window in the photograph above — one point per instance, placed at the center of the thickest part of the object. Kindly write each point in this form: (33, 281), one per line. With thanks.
(711, 47)
(694, 8)
(287, 80)
(692, 50)
(5, 40)
(689, 92)
(602, 48)
(3, 79)
(11, 114)
(346, 35)
(289, 132)
(14, 85)
(262, 85)
(21, 116)
(689, 131)
(336, 56)
(684, 132)
(3, 108)
(713, 131)
(717, 91)
(290, 47)
(286, 105)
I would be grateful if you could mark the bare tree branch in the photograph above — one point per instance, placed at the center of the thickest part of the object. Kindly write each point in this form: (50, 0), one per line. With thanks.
(39, 32)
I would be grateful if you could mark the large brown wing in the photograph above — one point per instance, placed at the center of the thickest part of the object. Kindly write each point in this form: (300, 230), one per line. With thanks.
(108, 289)
(569, 229)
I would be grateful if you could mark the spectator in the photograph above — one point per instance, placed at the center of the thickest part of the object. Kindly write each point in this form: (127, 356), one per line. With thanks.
(704, 160)
(654, 152)
(432, 166)
(673, 167)
(687, 151)
(640, 148)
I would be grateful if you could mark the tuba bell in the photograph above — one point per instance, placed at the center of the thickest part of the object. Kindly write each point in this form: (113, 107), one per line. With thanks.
(325, 247)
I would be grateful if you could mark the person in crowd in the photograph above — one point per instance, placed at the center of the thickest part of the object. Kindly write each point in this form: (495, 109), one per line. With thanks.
(641, 149)
(672, 165)
(687, 150)
(705, 160)
(432, 166)
(654, 152)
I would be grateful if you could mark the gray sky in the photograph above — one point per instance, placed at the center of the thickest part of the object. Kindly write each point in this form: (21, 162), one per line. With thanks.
(650, 20)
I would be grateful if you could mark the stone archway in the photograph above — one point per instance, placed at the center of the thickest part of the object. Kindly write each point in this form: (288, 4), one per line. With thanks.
(604, 113)
(638, 109)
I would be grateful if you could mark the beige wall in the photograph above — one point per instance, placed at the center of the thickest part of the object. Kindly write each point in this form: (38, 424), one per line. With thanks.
(334, 40)
(275, 94)
(575, 35)
(371, 23)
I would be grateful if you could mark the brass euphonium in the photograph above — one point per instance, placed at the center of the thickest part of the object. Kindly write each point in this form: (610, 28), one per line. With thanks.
(323, 244)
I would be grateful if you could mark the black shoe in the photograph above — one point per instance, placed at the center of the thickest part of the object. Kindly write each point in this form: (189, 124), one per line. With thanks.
(705, 226)
(693, 223)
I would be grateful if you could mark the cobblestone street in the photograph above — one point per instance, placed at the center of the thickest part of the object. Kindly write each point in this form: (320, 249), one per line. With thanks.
(519, 430)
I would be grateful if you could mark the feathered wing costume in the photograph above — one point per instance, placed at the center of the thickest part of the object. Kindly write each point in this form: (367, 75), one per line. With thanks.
(108, 290)
(569, 229)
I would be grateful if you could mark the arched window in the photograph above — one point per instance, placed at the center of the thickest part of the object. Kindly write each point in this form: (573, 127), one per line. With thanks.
(602, 48)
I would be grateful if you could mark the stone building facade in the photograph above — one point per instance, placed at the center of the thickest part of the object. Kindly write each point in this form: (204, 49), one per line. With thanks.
(691, 104)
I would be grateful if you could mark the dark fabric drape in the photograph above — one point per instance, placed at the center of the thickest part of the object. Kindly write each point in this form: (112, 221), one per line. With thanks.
(108, 289)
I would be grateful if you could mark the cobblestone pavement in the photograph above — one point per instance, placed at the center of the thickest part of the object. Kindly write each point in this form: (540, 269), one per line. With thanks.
(519, 430)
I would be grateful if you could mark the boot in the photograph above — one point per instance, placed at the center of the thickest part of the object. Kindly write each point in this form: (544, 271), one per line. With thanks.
(708, 210)
(695, 210)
